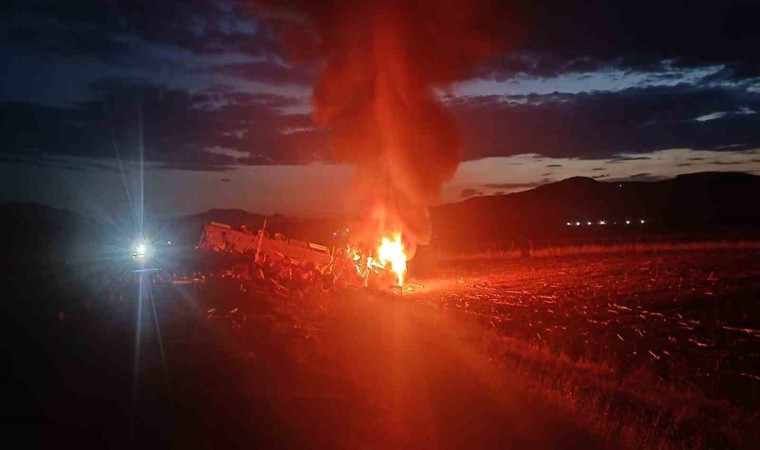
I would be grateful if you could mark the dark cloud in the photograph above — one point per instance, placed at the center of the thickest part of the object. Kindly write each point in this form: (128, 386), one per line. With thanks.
(181, 128)
(604, 124)
(596, 169)
(620, 159)
(555, 37)
(270, 72)
(554, 165)
(511, 185)
(644, 176)
(218, 128)
(211, 130)
(57, 162)
(579, 36)
(47, 34)
(467, 193)
(107, 30)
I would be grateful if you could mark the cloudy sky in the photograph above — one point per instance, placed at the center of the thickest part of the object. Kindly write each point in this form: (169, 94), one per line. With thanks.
(204, 105)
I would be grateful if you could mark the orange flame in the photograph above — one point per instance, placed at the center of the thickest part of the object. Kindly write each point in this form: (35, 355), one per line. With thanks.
(391, 250)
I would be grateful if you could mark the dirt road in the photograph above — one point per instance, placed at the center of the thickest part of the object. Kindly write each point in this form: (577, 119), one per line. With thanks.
(436, 388)
(373, 372)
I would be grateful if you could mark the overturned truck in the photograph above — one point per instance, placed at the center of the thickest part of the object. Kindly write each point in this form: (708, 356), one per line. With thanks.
(345, 266)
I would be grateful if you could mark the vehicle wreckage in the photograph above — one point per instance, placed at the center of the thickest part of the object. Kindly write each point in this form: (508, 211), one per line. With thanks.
(337, 267)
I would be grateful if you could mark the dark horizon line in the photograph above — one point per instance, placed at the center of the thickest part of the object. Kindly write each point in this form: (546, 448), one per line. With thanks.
(300, 217)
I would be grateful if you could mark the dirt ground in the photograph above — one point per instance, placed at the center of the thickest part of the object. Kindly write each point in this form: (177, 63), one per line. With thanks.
(690, 316)
(630, 350)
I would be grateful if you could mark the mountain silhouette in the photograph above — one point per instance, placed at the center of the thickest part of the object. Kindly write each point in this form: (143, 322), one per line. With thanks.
(697, 203)
(693, 203)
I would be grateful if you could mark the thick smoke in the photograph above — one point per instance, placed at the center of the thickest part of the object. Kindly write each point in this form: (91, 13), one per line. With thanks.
(387, 61)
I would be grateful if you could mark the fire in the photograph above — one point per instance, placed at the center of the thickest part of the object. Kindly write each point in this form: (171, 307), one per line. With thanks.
(386, 64)
(391, 250)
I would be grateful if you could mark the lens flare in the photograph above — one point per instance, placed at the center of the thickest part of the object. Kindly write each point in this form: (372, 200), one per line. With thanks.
(141, 250)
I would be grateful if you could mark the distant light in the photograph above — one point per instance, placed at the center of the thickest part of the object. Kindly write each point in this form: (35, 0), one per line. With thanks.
(589, 223)
(577, 224)
(620, 185)
(627, 222)
(569, 224)
(602, 222)
(168, 242)
(642, 221)
(141, 250)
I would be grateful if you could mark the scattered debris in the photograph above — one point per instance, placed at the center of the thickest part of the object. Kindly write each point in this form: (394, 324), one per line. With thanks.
(753, 332)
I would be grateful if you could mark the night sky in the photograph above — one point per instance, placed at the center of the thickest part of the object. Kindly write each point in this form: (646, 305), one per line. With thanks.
(208, 106)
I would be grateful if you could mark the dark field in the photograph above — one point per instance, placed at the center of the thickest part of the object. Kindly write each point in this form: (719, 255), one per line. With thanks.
(635, 350)
(689, 317)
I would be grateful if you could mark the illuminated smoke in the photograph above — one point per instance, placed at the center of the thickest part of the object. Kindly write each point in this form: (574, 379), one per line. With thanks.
(387, 62)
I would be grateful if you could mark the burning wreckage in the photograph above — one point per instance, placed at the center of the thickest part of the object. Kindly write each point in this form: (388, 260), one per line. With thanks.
(278, 259)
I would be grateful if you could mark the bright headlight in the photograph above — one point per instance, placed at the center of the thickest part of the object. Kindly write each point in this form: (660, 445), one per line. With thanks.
(141, 250)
